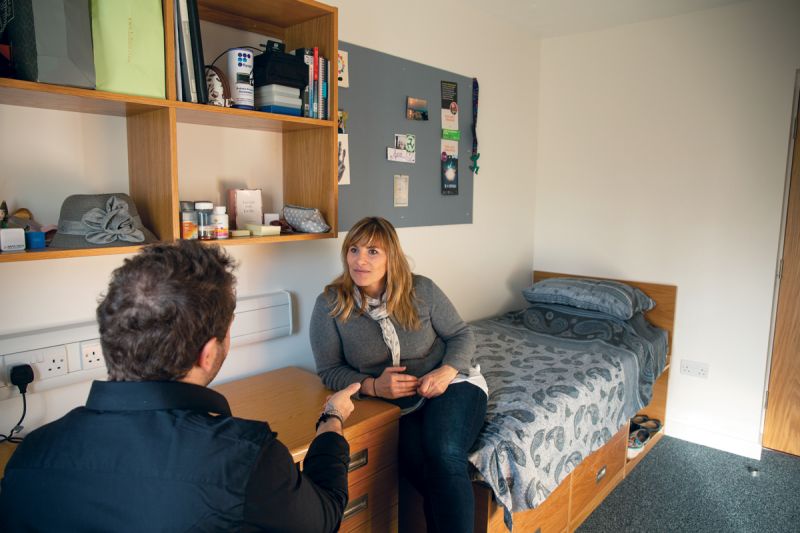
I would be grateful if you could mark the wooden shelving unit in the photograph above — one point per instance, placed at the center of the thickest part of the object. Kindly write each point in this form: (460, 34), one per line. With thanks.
(309, 145)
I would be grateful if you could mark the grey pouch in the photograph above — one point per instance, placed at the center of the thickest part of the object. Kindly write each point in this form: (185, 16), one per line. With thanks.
(305, 219)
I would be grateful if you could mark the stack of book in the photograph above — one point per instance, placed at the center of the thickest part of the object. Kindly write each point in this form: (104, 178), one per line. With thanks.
(189, 61)
(315, 95)
(281, 99)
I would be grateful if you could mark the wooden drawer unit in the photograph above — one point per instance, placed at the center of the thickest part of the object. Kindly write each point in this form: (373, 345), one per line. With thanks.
(372, 452)
(371, 498)
(372, 480)
(596, 476)
(290, 399)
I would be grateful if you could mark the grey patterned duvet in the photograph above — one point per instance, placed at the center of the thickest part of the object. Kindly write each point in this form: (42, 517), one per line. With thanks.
(562, 381)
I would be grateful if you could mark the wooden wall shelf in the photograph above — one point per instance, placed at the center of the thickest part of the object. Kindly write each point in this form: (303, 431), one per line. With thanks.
(309, 145)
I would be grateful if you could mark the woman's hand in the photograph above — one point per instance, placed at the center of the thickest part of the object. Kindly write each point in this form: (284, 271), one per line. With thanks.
(392, 383)
(435, 382)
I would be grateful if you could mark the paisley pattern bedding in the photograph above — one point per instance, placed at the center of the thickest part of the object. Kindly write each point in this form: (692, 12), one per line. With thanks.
(562, 381)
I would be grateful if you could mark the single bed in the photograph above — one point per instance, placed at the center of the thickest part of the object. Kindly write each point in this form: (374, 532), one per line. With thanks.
(563, 383)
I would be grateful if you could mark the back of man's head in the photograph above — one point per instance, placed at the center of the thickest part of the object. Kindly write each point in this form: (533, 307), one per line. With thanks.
(161, 308)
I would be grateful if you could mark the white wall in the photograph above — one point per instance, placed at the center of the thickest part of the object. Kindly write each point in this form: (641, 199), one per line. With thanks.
(481, 266)
(662, 154)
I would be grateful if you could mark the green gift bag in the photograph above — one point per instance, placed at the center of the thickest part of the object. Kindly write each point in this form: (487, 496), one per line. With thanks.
(128, 40)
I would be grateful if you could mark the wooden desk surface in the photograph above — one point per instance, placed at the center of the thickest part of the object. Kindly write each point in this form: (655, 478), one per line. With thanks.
(291, 399)
(6, 449)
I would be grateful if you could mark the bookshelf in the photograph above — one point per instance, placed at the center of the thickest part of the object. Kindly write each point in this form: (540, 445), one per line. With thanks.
(308, 145)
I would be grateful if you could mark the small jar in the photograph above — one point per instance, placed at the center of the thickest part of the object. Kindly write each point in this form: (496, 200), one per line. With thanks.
(220, 221)
(205, 227)
(189, 225)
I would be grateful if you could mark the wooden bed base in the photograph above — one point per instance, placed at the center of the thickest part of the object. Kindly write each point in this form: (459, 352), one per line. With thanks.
(587, 486)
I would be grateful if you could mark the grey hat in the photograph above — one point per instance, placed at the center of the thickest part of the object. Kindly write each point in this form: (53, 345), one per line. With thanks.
(98, 220)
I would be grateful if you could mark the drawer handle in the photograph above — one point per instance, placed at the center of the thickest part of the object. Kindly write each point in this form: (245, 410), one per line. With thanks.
(356, 506)
(600, 474)
(358, 459)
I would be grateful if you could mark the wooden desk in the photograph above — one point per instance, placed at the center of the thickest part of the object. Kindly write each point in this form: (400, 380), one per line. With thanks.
(290, 399)
(6, 449)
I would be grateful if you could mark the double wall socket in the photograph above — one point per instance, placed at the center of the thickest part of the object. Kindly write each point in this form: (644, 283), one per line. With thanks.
(56, 361)
(46, 362)
(694, 368)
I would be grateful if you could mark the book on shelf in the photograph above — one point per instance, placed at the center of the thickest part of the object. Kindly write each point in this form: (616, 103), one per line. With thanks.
(281, 109)
(190, 63)
(197, 52)
(323, 88)
(244, 207)
(179, 65)
(307, 54)
(287, 101)
(315, 113)
(187, 61)
(276, 89)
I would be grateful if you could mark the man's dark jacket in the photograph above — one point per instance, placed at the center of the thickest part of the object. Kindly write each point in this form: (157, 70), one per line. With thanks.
(168, 456)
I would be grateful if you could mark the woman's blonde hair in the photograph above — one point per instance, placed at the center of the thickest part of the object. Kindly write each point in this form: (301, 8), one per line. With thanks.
(377, 231)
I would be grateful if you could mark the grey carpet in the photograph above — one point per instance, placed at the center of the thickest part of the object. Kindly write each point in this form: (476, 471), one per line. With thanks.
(680, 486)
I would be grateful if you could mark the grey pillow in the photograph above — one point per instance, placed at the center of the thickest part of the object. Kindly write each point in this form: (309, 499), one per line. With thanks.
(610, 297)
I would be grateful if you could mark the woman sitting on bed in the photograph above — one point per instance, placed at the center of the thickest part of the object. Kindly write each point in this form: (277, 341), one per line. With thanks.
(399, 336)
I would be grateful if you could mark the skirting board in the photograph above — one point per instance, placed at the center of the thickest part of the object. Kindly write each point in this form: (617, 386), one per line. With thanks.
(718, 441)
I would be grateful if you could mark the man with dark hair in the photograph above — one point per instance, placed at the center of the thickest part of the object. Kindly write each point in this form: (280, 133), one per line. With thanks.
(154, 449)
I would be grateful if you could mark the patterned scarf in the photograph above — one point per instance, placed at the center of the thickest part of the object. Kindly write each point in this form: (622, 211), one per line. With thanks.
(376, 309)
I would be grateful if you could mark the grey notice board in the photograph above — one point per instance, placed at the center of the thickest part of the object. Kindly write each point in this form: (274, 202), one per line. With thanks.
(375, 103)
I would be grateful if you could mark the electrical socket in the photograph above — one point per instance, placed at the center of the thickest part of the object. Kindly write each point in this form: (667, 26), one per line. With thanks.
(694, 368)
(46, 362)
(92, 354)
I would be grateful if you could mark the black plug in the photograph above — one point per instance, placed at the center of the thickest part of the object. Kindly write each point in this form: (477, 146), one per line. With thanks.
(21, 376)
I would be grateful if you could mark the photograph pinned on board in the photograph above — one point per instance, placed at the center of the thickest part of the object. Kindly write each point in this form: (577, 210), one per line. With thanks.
(449, 105)
(400, 190)
(341, 121)
(405, 141)
(343, 69)
(343, 158)
(416, 108)
(449, 167)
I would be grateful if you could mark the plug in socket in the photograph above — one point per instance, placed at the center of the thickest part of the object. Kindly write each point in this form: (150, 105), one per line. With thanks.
(46, 362)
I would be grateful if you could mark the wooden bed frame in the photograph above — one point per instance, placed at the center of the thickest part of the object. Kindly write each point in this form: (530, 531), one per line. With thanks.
(587, 486)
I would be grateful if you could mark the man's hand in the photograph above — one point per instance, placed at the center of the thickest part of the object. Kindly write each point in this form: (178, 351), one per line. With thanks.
(342, 404)
(392, 383)
(435, 382)
(341, 400)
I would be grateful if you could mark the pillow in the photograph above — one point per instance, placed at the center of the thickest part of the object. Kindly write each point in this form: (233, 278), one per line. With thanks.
(610, 297)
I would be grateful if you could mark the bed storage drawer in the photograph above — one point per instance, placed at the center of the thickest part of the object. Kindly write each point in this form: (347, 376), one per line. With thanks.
(597, 475)
(550, 517)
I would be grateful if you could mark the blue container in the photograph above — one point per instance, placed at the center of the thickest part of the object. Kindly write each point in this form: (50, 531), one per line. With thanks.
(34, 240)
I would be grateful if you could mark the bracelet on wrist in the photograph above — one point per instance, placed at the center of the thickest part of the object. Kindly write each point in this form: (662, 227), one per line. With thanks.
(327, 415)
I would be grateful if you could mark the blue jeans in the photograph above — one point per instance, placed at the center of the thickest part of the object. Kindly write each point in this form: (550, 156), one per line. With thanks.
(434, 442)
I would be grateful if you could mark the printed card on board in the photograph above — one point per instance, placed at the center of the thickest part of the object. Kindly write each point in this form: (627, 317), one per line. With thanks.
(449, 167)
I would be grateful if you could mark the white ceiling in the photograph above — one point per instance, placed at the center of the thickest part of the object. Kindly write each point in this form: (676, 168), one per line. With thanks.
(550, 18)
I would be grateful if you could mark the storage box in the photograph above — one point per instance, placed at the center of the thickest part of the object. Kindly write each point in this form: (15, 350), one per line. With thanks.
(12, 239)
(52, 42)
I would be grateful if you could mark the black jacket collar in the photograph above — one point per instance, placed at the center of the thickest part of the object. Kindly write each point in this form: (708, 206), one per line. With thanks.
(155, 395)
